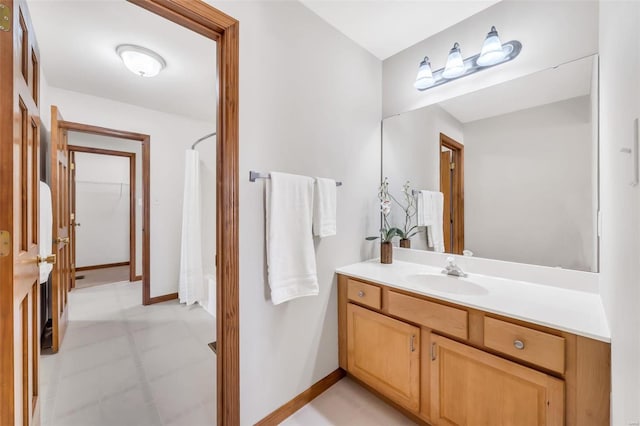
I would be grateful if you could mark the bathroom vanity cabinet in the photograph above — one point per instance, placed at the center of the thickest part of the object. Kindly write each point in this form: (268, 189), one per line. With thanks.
(447, 364)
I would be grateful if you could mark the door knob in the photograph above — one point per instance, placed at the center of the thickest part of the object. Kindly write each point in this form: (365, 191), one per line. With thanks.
(64, 240)
(49, 259)
(76, 224)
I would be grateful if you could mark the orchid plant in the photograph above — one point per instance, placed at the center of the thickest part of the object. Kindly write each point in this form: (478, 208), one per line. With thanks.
(387, 232)
(410, 210)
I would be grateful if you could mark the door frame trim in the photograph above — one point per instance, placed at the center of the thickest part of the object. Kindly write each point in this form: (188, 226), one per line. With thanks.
(458, 184)
(132, 200)
(210, 22)
(145, 140)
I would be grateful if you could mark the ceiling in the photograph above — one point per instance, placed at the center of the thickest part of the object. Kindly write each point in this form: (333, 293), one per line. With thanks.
(541, 88)
(386, 27)
(77, 41)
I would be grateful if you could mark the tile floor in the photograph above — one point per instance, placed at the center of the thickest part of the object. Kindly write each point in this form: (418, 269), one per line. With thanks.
(347, 404)
(94, 277)
(125, 364)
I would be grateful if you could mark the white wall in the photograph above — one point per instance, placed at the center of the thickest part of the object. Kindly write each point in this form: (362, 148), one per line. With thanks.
(528, 190)
(171, 135)
(551, 32)
(102, 209)
(411, 151)
(309, 104)
(620, 249)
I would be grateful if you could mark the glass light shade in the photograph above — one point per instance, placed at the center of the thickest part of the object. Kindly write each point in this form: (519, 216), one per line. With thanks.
(455, 63)
(141, 61)
(492, 51)
(424, 79)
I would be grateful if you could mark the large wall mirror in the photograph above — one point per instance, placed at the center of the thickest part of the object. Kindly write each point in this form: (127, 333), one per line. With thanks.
(517, 164)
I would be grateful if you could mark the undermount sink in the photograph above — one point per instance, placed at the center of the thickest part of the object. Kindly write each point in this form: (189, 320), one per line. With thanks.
(447, 284)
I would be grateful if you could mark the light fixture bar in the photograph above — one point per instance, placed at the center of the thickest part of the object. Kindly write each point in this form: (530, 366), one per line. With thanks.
(511, 49)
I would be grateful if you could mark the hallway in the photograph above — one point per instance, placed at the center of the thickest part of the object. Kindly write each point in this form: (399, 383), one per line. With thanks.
(126, 364)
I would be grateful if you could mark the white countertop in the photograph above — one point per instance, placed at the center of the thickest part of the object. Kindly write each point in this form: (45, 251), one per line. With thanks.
(568, 310)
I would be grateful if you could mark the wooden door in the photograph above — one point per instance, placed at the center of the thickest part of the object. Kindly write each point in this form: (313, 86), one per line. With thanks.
(385, 354)
(61, 274)
(19, 234)
(72, 223)
(445, 188)
(472, 387)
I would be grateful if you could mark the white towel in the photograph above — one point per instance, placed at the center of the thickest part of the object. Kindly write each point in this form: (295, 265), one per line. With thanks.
(191, 281)
(45, 222)
(431, 215)
(325, 208)
(290, 253)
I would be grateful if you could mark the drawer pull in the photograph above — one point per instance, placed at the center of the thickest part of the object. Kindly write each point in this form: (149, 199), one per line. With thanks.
(412, 343)
(433, 351)
(518, 344)
(361, 293)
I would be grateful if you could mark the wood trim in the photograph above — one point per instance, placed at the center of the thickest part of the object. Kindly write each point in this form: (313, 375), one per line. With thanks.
(102, 266)
(204, 19)
(132, 198)
(458, 187)
(163, 298)
(100, 151)
(137, 278)
(146, 192)
(97, 130)
(285, 411)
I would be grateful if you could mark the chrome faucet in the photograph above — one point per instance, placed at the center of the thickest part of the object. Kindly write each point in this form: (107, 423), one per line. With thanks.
(453, 269)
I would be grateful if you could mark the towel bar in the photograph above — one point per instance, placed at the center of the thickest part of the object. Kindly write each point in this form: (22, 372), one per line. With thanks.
(258, 175)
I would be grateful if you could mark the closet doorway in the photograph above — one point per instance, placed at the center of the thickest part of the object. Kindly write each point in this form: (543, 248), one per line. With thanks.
(89, 139)
(452, 187)
(103, 196)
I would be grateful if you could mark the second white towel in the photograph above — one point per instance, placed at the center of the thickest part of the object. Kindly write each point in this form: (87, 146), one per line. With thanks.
(325, 208)
(291, 256)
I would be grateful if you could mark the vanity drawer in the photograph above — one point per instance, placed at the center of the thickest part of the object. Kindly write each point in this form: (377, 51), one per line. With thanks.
(445, 319)
(536, 347)
(365, 294)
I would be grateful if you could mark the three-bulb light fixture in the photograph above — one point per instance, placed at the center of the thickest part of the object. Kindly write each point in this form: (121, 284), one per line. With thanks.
(493, 53)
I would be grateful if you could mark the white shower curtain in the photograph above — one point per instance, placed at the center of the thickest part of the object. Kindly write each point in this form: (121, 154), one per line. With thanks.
(192, 284)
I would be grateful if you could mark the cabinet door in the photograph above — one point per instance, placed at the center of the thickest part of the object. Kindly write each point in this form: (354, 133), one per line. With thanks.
(472, 387)
(385, 354)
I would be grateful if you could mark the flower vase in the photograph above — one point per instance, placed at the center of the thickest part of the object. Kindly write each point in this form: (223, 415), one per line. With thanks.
(386, 252)
(405, 243)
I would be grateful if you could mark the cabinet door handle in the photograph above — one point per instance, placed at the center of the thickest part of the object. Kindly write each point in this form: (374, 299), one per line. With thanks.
(361, 293)
(518, 344)
(433, 351)
(412, 343)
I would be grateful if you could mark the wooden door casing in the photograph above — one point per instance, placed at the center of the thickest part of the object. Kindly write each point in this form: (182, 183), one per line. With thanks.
(19, 196)
(445, 188)
(61, 274)
(385, 354)
(472, 387)
(455, 170)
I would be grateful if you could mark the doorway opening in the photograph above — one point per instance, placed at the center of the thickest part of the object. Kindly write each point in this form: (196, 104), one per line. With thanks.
(452, 186)
(103, 194)
(139, 205)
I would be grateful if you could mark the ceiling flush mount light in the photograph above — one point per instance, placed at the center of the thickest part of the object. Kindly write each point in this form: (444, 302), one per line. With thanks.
(493, 53)
(141, 61)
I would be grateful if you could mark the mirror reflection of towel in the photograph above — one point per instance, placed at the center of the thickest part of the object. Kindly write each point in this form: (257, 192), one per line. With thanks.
(431, 215)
